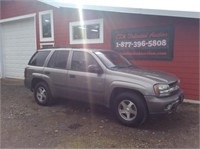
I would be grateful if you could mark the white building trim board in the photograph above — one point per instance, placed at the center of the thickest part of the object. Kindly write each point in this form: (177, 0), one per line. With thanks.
(44, 44)
(140, 9)
(1, 54)
(18, 18)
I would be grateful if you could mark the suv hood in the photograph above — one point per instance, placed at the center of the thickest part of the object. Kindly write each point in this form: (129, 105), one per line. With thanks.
(157, 76)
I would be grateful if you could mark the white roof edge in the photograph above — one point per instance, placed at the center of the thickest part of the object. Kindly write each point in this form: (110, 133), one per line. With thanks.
(170, 13)
(54, 4)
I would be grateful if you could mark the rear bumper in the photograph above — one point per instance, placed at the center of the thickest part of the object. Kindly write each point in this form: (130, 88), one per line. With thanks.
(165, 104)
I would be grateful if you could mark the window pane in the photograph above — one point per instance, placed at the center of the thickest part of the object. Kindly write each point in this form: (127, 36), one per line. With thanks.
(58, 60)
(112, 59)
(93, 31)
(47, 46)
(78, 32)
(46, 25)
(88, 33)
(81, 61)
(52, 60)
(38, 58)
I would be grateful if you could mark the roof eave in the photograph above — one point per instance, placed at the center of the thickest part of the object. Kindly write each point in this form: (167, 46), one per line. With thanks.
(170, 13)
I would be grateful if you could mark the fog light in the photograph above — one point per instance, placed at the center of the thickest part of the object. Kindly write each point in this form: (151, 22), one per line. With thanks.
(168, 108)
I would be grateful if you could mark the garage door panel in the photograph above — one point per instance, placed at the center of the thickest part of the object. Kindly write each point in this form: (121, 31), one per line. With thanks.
(19, 43)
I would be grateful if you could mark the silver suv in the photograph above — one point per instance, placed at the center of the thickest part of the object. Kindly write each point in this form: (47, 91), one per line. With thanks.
(102, 77)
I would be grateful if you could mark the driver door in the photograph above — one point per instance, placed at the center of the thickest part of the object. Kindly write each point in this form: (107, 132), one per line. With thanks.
(82, 84)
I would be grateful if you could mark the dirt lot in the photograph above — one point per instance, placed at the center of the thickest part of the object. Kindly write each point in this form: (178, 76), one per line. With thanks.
(68, 124)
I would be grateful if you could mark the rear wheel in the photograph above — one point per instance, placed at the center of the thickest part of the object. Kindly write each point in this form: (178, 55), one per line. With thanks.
(130, 109)
(42, 94)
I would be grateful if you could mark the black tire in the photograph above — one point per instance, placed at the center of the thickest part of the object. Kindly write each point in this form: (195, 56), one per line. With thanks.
(130, 109)
(42, 94)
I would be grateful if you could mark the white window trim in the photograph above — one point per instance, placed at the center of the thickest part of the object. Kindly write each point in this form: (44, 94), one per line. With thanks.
(52, 25)
(44, 44)
(86, 41)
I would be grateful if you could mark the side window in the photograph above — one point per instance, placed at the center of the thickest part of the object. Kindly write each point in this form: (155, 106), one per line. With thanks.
(58, 60)
(81, 61)
(38, 58)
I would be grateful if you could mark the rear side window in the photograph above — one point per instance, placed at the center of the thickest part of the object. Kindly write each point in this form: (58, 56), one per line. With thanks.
(58, 60)
(38, 58)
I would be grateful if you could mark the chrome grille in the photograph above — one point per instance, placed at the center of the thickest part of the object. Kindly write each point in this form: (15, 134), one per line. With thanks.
(173, 84)
(174, 87)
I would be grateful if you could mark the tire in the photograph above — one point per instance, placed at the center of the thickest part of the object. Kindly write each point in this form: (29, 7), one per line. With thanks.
(42, 94)
(130, 109)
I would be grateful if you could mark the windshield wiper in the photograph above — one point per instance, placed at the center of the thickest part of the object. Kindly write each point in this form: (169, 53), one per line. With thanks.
(126, 66)
(130, 65)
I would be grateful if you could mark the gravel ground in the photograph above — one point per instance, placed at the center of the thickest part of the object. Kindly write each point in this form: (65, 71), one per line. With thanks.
(70, 124)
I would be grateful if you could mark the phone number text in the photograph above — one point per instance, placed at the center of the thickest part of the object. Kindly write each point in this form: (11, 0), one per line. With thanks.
(143, 43)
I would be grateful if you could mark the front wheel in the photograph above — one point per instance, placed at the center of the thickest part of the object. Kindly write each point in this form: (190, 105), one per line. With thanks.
(130, 109)
(42, 94)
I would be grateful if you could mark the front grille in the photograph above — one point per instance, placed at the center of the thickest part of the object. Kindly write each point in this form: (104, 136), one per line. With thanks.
(173, 84)
(174, 92)
(174, 87)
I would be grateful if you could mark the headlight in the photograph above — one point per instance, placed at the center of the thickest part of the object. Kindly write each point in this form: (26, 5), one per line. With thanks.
(161, 89)
(179, 81)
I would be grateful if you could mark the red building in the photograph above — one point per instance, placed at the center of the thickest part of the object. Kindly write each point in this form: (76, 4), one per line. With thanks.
(166, 43)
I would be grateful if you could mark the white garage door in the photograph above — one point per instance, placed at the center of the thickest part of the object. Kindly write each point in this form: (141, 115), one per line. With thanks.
(18, 44)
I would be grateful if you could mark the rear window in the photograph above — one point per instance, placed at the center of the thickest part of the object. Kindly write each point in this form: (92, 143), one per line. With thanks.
(38, 58)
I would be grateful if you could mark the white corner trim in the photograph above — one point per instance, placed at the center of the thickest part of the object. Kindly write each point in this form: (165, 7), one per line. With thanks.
(1, 53)
(42, 39)
(18, 18)
(191, 101)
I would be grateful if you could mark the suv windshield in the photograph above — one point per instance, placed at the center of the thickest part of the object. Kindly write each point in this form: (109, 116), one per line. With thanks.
(113, 60)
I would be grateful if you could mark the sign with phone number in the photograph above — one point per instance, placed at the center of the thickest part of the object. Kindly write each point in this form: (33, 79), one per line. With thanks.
(151, 43)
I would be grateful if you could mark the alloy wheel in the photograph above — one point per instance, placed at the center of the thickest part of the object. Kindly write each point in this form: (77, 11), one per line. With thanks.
(127, 110)
(41, 94)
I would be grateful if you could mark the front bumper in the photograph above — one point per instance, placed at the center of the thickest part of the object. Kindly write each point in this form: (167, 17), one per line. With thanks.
(163, 105)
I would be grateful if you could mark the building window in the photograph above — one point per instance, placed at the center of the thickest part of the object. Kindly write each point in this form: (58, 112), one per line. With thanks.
(87, 32)
(46, 45)
(46, 25)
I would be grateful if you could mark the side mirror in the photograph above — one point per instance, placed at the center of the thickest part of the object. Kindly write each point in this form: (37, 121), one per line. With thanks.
(95, 69)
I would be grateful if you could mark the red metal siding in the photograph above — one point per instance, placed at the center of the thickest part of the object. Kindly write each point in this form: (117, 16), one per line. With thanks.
(185, 63)
(14, 8)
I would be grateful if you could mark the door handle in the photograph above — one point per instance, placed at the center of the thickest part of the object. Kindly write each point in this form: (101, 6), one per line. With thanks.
(72, 76)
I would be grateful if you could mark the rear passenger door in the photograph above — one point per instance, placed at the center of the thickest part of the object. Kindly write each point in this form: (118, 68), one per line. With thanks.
(84, 85)
(57, 72)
